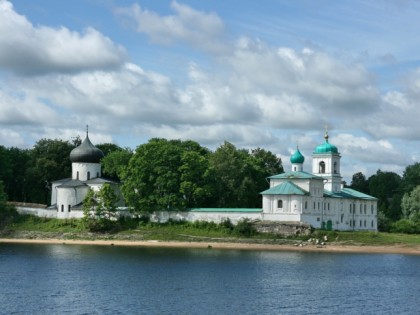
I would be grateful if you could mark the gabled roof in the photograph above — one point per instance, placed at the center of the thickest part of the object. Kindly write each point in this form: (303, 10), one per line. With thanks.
(295, 175)
(286, 188)
(349, 194)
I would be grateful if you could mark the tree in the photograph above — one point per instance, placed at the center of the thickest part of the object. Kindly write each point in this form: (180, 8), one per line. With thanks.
(360, 183)
(7, 213)
(411, 178)
(155, 172)
(115, 163)
(99, 209)
(385, 187)
(410, 204)
(238, 176)
(49, 161)
(108, 148)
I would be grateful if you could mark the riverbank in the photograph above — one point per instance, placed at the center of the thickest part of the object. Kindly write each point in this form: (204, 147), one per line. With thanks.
(329, 247)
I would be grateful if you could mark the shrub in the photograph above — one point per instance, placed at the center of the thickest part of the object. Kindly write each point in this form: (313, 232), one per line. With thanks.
(405, 226)
(244, 228)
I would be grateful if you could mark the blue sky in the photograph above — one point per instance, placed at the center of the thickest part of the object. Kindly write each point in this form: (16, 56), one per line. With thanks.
(265, 74)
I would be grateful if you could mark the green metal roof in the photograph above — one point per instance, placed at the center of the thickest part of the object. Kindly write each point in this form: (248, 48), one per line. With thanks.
(295, 175)
(297, 157)
(225, 210)
(326, 147)
(286, 188)
(349, 194)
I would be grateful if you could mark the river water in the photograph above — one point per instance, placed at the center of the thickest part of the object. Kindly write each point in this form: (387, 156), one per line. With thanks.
(76, 279)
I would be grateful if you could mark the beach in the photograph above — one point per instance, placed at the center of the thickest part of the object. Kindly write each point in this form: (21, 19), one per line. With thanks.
(329, 247)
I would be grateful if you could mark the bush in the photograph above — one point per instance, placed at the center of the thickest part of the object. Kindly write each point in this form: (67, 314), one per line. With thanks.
(405, 226)
(8, 214)
(244, 228)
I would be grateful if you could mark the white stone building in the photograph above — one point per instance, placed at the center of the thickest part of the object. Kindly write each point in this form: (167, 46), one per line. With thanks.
(318, 198)
(67, 194)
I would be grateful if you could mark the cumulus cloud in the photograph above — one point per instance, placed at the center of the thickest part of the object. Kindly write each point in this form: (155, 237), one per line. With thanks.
(199, 29)
(29, 49)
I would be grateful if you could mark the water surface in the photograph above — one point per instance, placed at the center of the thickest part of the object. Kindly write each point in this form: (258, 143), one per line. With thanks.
(80, 279)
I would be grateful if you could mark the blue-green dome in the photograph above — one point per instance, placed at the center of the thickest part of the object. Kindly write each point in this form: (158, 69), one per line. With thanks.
(326, 147)
(297, 157)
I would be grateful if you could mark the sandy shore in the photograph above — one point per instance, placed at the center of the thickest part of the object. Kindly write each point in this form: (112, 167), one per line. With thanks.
(336, 248)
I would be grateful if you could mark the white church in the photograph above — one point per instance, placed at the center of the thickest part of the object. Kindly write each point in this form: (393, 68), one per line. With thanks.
(67, 194)
(296, 197)
(318, 198)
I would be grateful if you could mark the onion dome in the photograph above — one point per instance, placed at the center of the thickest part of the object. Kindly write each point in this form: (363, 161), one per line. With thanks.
(326, 147)
(297, 157)
(86, 153)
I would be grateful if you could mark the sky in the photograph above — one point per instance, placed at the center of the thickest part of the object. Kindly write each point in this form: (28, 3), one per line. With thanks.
(270, 74)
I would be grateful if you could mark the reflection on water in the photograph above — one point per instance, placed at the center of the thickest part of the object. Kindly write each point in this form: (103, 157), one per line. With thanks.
(57, 279)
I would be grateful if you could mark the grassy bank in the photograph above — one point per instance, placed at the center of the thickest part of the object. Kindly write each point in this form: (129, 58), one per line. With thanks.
(37, 228)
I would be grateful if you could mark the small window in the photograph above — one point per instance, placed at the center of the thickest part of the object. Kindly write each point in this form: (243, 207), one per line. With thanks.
(88, 175)
(364, 223)
(280, 204)
(306, 205)
(97, 174)
(77, 175)
(69, 208)
(360, 223)
(294, 168)
(62, 208)
(342, 218)
(335, 167)
(322, 167)
(318, 219)
(371, 223)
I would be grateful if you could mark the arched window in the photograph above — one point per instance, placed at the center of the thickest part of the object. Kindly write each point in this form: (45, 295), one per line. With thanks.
(88, 175)
(77, 175)
(69, 208)
(306, 205)
(294, 168)
(335, 167)
(322, 167)
(62, 208)
(280, 204)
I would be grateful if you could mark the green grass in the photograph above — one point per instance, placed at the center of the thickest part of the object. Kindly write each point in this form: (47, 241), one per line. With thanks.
(196, 231)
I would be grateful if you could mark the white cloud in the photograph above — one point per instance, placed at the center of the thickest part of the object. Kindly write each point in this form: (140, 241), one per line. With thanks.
(29, 49)
(199, 29)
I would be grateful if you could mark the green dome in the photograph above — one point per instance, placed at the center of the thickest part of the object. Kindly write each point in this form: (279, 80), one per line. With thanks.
(297, 157)
(326, 147)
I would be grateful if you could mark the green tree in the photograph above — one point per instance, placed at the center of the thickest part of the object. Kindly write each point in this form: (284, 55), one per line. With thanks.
(410, 178)
(100, 210)
(7, 213)
(385, 186)
(115, 163)
(238, 176)
(49, 161)
(410, 204)
(360, 183)
(108, 148)
(155, 173)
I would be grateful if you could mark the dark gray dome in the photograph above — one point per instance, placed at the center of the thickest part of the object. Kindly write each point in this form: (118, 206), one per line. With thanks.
(86, 153)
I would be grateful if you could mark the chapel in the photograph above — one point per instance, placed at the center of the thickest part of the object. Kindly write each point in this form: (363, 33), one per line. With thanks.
(67, 194)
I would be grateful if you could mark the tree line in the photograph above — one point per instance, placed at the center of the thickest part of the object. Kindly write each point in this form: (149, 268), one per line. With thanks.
(160, 174)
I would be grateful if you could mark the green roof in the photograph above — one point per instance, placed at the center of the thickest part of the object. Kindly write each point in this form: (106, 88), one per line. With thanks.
(348, 193)
(286, 188)
(295, 175)
(297, 157)
(225, 210)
